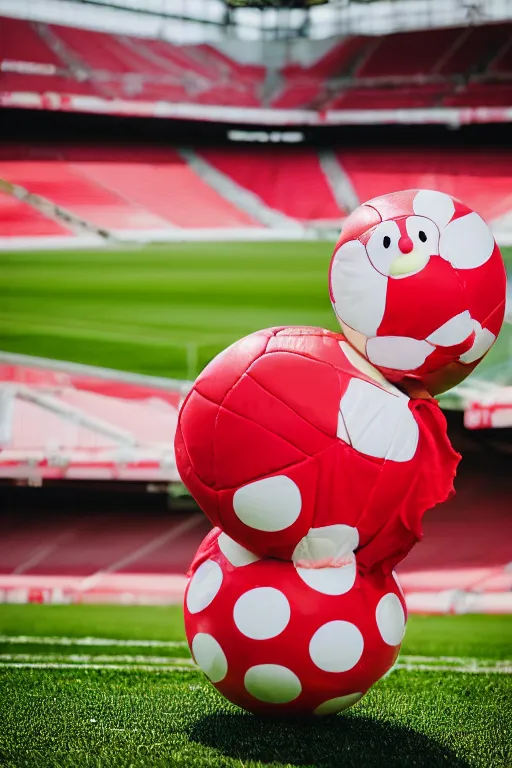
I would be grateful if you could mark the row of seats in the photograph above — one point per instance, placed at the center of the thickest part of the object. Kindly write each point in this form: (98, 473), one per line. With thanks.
(115, 66)
(153, 189)
(379, 73)
(456, 67)
(466, 540)
(19, 219)
(480, 177)
(73, 542)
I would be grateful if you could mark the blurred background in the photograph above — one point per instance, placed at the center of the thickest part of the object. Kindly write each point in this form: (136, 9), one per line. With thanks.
(173, 174)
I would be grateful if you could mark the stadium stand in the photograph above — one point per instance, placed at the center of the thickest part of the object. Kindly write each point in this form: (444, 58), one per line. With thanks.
(458, 67)
(410, 97)
(169, 189)
(108, 53)
(122, 190)
(408, 53)
(150, 190)
(43, 84)
(280, 178)
(53, 556)
(62, 423)
(21, 220)
(483, 179)
(20, 41)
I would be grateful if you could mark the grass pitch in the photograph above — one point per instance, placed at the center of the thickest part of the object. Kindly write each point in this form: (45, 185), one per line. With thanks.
(165, 310)
(129, 696)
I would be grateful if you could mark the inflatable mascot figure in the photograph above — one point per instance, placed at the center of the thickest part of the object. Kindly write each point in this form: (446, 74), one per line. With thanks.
(316, 454)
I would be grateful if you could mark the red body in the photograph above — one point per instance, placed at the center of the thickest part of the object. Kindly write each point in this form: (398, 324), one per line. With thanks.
(233, 606)
(295, 404)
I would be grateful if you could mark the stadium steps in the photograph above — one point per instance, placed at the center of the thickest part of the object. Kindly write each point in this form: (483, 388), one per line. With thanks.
(67, 222)
(235, 194)
(67, 186)
(338, 180)
(19, 219)
(286, 179)
(70, 60)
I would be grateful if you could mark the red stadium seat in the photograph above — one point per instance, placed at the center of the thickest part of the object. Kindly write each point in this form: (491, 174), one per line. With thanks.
(105, 52)
(483, 179)
(13, 82)
(20, 41)
(482, 94)
(126, 190)
(17, 219)
(408, 53)
(290, 181)
(474, 47)
(388, 98)
(345, 77)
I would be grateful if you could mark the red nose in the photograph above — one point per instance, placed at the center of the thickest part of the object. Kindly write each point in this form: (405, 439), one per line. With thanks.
(405, 244)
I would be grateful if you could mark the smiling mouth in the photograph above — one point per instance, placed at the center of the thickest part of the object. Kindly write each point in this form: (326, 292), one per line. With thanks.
(408, 263)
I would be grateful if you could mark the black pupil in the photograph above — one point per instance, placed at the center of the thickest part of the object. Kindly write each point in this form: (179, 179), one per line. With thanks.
(387, 242)
(423, 237)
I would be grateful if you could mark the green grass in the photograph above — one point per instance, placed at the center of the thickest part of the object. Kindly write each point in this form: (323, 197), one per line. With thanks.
(133, 717)
(164, 310)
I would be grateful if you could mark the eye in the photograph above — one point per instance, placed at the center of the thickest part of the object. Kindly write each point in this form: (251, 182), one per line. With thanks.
(423, 233)
(382, 246)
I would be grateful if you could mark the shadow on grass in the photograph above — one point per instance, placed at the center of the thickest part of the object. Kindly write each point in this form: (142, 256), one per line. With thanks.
(336, 742)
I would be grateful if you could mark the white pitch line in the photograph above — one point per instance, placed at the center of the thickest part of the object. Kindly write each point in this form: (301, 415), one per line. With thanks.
(184, 668)
(470, 668)
(410, 662)
(145, 549)
(94, 641)
(453, 659)
(99, 659)
(117, 667)
(159, 663)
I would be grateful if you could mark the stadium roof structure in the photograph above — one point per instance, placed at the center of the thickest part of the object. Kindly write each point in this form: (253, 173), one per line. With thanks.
(195, 21)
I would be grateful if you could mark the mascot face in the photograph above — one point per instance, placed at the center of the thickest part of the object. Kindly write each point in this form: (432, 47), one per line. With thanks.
(418, 285)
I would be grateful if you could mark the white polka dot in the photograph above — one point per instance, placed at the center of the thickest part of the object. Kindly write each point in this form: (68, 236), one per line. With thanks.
(329, 581)
(332, 706)
(210, 657)
(399, 352)
(467, 242)
(269, 505)
(435, 206)
(327, 545)
(358, 290)
(262, 613)
(379, 423)
(336, 647)
(484, 339)
(390, 619)
(454, 331)
(204, 585)
(235, 553)
(272, 683)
